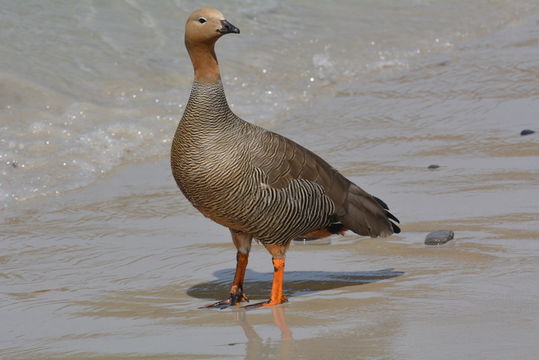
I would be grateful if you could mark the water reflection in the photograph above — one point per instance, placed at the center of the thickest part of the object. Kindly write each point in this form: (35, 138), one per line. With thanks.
(297, 283)
(256, 347)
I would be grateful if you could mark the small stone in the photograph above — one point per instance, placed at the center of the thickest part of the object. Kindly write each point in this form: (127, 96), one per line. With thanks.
(526, 132)
(439, 237)
(433, 166)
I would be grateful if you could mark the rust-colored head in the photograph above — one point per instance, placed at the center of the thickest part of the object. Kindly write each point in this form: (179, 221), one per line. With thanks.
(206, 26)
(202, 29)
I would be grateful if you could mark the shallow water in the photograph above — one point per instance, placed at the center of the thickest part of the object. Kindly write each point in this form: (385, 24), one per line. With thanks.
(103, 258)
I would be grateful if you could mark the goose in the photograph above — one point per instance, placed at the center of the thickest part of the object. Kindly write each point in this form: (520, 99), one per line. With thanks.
(253, 181)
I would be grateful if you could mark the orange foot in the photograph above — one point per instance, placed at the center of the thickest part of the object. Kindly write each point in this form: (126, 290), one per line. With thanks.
(271, 302)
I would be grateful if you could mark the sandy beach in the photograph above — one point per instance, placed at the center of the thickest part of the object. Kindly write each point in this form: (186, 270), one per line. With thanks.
(107, 260)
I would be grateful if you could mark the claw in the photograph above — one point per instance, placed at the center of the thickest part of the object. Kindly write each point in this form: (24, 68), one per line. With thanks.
(223, 304)
(234, 299)
(238, 298)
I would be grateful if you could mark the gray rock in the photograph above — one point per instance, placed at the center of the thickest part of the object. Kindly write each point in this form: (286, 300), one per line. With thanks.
(433, 166)
(439, 237)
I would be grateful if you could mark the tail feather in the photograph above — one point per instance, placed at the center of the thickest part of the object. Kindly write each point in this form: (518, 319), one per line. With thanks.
(396, 229)
(381, 202)
(368, 215)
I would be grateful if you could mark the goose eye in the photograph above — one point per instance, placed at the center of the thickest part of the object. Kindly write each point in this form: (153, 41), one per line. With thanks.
(202, 20)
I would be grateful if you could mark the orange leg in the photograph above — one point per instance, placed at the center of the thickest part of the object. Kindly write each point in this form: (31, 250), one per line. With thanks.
(236, 290)
(278, 252)
(277, 296)
(242, 241)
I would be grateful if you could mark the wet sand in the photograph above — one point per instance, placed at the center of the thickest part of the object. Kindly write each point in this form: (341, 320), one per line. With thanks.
(120, 268)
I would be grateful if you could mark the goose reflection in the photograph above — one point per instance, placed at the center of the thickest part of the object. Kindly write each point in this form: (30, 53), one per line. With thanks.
(258, 348)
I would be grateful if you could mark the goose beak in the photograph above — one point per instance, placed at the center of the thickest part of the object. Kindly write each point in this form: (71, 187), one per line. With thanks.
(227, 28)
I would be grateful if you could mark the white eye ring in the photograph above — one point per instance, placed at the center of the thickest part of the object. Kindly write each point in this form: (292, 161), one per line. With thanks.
(202, 20)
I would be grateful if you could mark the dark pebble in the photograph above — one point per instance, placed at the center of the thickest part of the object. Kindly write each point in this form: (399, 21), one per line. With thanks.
(14, 165)
(433, 166)
(526, 132)
(439, 237)
(443, 63)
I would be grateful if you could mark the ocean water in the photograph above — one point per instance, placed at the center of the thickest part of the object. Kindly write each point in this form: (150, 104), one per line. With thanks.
(103, 258)
(88, 86)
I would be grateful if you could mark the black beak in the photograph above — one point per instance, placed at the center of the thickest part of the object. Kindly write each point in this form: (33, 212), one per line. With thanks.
(228, 28)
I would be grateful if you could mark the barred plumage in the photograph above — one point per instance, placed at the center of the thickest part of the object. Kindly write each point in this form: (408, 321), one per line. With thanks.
(242, 176)
(258, 183)
(221, 164)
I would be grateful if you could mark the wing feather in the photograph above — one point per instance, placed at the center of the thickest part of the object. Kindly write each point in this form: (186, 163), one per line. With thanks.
(356, 209)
